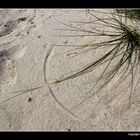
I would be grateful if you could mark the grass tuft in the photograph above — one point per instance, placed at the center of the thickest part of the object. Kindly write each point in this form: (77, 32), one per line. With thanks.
(123, 44)
(131, 13)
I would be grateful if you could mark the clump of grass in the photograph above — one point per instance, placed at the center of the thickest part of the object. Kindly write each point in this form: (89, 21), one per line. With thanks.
(131, 13)
(123, 44)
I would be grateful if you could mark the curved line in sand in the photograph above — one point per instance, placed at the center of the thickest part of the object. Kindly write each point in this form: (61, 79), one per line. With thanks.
(46, 81)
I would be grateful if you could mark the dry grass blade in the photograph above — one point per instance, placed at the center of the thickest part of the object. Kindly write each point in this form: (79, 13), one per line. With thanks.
(47, 84)
(21, 92)
(126, 42)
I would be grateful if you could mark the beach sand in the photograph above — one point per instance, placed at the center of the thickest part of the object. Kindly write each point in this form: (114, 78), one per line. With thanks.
(33, 55)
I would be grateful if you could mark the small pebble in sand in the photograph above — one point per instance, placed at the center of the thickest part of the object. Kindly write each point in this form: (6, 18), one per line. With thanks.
(29, 99)
(39, 36)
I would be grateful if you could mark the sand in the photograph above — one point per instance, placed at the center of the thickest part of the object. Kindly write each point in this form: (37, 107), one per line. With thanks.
(31, 59)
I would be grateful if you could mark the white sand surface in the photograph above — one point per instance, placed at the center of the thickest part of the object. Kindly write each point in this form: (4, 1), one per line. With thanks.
(25, 42)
